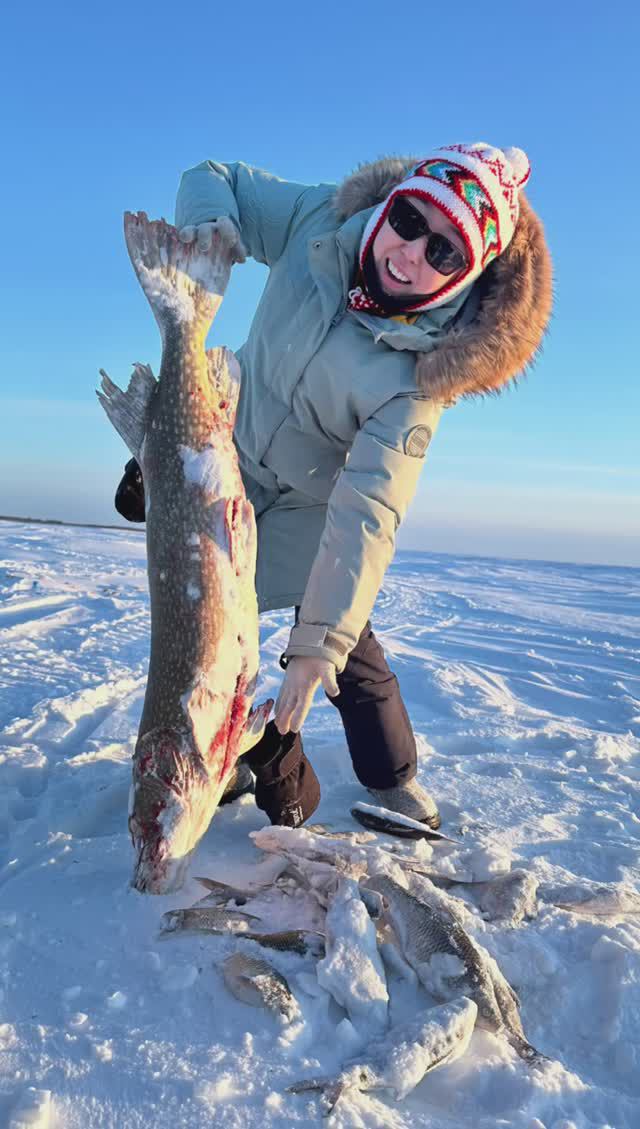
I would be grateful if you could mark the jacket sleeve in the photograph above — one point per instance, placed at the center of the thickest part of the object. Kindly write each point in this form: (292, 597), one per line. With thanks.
(262, 206)
(367, 504)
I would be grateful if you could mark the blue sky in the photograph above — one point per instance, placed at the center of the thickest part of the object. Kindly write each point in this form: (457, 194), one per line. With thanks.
(108, 105)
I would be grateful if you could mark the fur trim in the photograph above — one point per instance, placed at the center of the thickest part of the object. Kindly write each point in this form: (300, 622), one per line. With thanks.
(515, 292)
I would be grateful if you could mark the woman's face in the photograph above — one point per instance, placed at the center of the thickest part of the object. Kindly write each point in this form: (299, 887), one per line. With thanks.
(393, 254)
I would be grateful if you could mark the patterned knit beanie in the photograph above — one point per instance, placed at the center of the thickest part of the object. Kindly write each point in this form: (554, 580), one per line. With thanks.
(477, 187)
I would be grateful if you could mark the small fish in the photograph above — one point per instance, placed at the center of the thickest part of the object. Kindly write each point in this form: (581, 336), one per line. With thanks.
(205, 919)
(449, 963)
(399, 1060)
(600, 900)
(262, 878)
(201, 553)
(509, 898)
(318, 879)
(256, 982)
(354, 838)
(392, 823)
(352, 970)
(300, 941)
(304, 850)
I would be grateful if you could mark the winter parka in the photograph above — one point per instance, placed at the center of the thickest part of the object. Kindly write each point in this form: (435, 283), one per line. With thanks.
(337, 407)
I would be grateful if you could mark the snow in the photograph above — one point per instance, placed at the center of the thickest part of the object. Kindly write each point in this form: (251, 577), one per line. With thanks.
(352, 968)
(32, 1110)
(208, 468)
(521, 679)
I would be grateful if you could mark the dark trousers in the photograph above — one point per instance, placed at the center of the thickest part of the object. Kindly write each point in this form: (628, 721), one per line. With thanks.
(378, 732)
(375, 720)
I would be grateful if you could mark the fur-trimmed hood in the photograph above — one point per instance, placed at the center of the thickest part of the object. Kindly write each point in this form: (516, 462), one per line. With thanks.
(513, 298)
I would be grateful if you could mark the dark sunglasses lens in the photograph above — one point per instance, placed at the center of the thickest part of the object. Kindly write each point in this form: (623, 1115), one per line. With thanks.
(443, 256)
(410, 224)
(406, 220)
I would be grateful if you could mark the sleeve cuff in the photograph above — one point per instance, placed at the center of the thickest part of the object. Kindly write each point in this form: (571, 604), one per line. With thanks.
(314, 641)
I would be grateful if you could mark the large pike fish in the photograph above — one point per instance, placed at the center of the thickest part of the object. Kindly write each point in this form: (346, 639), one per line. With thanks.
(201, 549)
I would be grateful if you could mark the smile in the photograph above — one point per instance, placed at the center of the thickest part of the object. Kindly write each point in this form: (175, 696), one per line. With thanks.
(395, 273)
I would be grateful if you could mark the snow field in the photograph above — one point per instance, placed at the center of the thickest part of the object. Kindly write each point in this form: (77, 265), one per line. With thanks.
(521, 679)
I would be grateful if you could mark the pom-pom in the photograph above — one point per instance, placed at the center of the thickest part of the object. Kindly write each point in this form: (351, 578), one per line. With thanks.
(519, 162)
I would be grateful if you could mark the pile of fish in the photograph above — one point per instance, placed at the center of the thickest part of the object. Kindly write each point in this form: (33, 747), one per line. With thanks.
(373, 905)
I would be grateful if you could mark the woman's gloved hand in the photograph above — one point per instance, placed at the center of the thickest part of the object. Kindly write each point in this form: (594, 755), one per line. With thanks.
(300, 683)
(220, 236)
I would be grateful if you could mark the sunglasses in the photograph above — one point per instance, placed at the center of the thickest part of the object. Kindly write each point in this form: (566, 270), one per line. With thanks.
(410, 224)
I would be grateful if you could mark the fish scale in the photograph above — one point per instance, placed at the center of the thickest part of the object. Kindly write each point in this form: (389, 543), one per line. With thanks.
(258, 983)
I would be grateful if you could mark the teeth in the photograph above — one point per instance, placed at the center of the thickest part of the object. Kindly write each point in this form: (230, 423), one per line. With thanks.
(395, 273)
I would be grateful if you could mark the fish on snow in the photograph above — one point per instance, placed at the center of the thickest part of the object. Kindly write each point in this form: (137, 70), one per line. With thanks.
(449, 963)
(399, 1060)
(352, 970)
(258, 983)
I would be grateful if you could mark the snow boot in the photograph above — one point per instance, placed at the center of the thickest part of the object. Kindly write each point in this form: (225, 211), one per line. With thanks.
(239, 784)
(409, 799)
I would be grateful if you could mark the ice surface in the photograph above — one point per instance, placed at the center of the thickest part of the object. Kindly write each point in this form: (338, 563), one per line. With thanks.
(521, 680)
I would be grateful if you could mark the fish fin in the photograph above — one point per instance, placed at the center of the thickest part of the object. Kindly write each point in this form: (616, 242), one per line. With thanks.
(129, 411)
(300, 941)
(183, 285)
(524, 1050)
(306, 1085)
(209, 883)
(332, 1089)
(255, 726)
(224, 380)
(216, 887)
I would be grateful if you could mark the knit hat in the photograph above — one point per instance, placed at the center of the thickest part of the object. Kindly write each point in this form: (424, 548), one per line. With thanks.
(477, 187)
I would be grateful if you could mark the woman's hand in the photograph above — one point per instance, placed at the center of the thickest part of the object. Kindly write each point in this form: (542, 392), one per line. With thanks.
(220, 236)
(299, 685)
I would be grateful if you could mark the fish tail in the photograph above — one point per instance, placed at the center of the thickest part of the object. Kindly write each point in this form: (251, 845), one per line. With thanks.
(307, 1085)
(331, 1088)
(524, 1050)
(184, 286)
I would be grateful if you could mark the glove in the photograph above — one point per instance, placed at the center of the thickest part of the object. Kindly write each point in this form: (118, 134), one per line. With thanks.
(129, 499)
(298, 687)
(220, 236)
(287, 788)
(220, 241)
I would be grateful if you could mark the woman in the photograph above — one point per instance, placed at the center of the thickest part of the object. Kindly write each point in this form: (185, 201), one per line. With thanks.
(411, 285)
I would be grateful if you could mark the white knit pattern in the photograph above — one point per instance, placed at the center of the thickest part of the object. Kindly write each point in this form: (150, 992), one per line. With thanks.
(500, 174)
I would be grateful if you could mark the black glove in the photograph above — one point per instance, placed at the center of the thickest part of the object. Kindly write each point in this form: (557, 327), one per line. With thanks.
(287, 788)
(129, 499)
